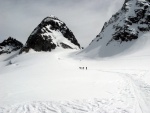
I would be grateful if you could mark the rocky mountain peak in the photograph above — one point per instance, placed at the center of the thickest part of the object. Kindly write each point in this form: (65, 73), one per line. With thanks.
(9, 45)
(50, 34)
(133, 18)
(127, 25)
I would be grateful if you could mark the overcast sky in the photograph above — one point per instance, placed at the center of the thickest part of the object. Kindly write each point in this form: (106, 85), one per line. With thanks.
(85, 18)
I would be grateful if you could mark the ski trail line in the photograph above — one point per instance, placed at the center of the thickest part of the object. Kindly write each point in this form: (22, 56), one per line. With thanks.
(143, 106)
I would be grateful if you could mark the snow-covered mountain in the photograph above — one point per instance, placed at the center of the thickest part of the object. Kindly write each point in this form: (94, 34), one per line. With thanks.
(50, 34)
(62, 82)
(123, 31)
(10, 45)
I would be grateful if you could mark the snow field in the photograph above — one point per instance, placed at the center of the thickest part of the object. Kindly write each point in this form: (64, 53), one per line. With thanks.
(52, 82)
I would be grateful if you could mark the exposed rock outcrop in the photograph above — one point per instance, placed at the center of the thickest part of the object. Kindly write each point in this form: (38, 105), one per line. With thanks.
(10, 45)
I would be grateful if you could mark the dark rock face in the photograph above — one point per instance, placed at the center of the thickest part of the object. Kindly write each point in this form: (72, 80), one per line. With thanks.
(39, 44)
(49, 34)
(125, 34)
(9, 45)
(65, 46)
(141, 18)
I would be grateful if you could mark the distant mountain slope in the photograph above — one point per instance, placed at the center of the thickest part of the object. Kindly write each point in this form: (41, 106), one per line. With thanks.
(10, 45)
(50, 34)
(123, 29)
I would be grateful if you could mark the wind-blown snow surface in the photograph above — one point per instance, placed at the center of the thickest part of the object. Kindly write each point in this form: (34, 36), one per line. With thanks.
(51, 82)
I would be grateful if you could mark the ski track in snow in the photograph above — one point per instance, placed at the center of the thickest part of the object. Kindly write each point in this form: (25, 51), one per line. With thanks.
(140, 93)
(140, 89)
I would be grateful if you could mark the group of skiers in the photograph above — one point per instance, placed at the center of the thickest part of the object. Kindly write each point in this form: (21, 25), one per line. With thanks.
(83, 68)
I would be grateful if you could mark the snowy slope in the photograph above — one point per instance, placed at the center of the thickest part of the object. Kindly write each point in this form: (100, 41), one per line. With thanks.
(139, 47)
(52, 82)
(123, 31)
